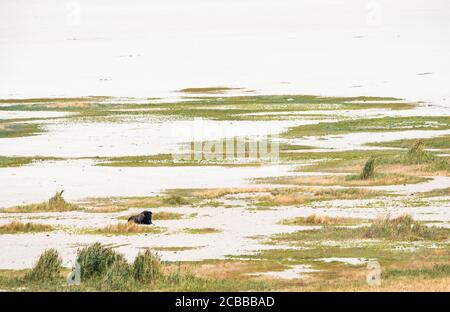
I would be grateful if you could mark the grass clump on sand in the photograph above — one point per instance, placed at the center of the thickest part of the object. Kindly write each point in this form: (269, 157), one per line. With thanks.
(125, 229)
(417, 155)
(176, 200)
(201, 230)
(439, 142)
(368, 171)
(320, 220)
(147, 267)
(48, 267)
(436, 192)
(20, 227)
(94, 260)
(280, 197)
(57, 203)
(403, 228)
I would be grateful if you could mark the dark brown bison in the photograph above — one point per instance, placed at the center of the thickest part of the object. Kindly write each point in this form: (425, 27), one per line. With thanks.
(145, 217)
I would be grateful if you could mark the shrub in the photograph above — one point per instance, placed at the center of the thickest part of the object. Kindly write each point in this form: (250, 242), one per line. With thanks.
(47, 268)
(417, 154)
(94, 260)
(147, 267)
(118, 276)
(368, 171)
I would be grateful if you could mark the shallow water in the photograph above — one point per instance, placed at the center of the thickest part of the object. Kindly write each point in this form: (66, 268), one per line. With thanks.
(80, 179)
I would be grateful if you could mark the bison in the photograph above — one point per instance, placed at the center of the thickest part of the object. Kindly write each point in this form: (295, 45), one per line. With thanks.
(145, 217)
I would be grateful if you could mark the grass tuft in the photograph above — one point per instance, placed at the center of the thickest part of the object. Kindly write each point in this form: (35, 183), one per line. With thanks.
(368, 171)
(57, 203)
(47, 268)
(19, 227)
(124, 228)
(147, 267)
(94, 260)
(402, 228)
(319, 220)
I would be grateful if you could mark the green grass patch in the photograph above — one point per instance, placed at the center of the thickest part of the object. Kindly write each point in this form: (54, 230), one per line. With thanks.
(15, 130)
(440, 142)
(321, 220)
(370, 125)
(402, 228)
(439, 270)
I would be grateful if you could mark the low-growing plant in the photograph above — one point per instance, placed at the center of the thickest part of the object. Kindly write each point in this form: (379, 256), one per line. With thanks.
(57, 203)
(118, 276)
(417, 154)
(94, 260)
(176, 200)
(403, 228)
(368, 171)
(125, 229)
(47, 268)
(20, 227)
(147, 267)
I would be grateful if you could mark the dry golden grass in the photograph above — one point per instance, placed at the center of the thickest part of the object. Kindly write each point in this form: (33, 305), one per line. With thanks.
(304, 195)
(116, 204)
(219, 192)
(341, 180)
(19, 227)
(403, 284)
(201, 231)
(320, 220)
(69, 105)
(57, 203)
(421, 169)
(125, 228)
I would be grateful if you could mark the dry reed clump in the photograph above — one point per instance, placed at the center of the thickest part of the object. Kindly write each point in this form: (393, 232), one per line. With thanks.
(19, 227)
(57, 203)
(404, 228)
(417, 154)
(215, 193)
(125, 228)
(147, 267)
(47, 269)
(319, 220)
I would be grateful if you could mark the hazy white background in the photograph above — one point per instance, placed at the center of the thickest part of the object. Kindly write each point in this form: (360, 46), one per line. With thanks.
(149, 48)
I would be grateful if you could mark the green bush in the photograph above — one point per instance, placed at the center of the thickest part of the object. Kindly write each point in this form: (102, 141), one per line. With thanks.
(147, 267)
(94, 260)
(368, 171)
(118, 276)
(47, 268)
